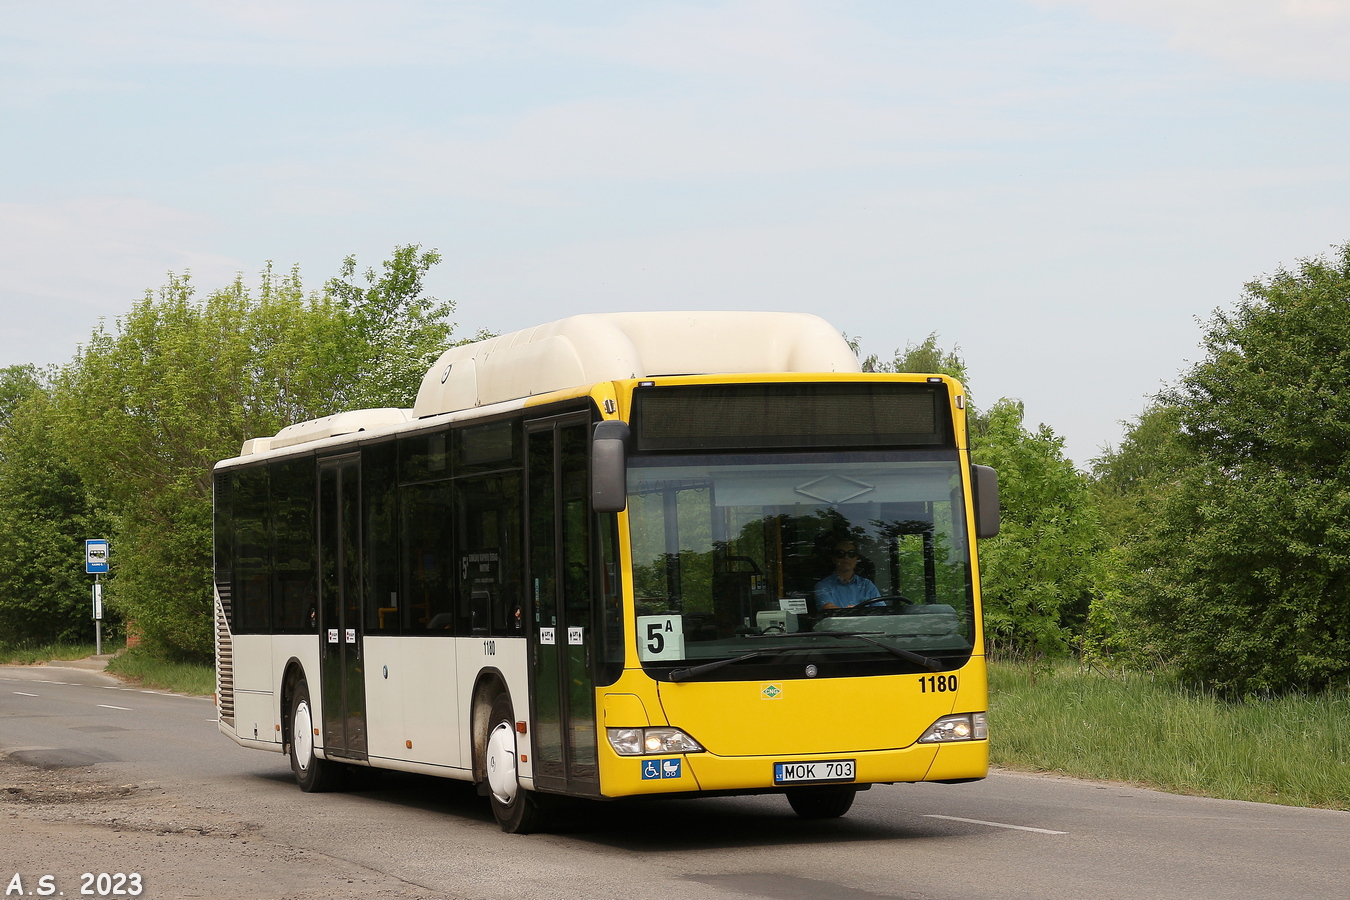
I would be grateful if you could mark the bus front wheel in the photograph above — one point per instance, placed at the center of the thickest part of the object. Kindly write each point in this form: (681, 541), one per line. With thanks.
(516, 809)
(821, 803)
(314, 775)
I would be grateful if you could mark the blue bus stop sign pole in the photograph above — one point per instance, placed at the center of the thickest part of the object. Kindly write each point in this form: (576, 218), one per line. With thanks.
(96, 564)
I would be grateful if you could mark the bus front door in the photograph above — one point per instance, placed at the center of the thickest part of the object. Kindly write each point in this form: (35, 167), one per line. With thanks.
(560, 633)
(340, 635)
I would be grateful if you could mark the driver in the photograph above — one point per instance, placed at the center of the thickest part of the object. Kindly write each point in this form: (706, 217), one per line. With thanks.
(843, 587)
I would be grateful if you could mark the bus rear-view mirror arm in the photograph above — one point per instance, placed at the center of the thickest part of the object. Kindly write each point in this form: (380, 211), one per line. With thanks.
(609, 464)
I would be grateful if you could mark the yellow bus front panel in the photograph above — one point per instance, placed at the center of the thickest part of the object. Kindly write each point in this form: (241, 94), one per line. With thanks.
(746, 727)
(822, 715)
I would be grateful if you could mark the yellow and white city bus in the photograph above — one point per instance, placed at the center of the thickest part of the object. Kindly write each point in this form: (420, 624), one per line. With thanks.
(617, 555)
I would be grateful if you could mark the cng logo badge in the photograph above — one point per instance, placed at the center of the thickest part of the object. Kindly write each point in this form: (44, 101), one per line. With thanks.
(653, 769)
(770, 691)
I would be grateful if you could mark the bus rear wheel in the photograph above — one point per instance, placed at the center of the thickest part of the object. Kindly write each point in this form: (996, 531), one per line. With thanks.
(314, 775)
(515, 808)
(821, 803)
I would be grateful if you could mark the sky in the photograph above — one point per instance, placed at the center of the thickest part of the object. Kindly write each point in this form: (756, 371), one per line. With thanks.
(1065, 190)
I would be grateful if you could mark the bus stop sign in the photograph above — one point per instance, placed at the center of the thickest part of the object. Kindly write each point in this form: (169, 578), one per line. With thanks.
(96, 557)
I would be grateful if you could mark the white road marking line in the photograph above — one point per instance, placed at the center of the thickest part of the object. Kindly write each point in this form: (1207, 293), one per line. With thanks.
(996, 824)
(128, 708)
(25, 694)
(53, 682)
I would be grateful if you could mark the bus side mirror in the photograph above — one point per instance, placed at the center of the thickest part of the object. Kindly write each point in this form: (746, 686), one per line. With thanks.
(984, 482)
(609, 467)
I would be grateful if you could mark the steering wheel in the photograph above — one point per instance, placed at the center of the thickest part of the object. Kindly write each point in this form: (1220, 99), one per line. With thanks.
(885, 601)
(875, 601)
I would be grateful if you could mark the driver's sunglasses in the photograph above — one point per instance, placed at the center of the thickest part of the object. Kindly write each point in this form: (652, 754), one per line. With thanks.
(840, 554)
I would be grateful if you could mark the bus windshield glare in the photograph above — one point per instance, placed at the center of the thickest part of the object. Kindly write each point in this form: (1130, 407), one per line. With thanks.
(832, 560)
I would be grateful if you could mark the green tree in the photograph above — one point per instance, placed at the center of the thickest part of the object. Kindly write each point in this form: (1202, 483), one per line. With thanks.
(1038, 574)
(1128, 479)
(925, 356)
(392, 332)
(149, 405)
(45, 515)
(17, 384)
(1132, 485)
(1251, 561)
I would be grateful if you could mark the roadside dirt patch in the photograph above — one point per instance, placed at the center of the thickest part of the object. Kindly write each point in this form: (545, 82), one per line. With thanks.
(50, 785)
(62, 821)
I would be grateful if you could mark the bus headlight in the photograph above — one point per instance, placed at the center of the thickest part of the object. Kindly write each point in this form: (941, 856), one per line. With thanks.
(963, 727)
(643, 741)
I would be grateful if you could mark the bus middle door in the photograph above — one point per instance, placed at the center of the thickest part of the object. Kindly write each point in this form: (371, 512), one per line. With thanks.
(342, 671)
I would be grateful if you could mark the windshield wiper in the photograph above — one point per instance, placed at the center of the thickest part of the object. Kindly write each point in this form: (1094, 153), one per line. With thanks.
(686, 674)
(931, 665)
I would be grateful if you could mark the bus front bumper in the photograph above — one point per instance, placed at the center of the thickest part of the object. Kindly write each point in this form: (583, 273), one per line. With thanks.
(696, 772)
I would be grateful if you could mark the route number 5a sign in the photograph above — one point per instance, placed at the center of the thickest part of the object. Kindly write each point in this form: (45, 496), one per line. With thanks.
(660, 637)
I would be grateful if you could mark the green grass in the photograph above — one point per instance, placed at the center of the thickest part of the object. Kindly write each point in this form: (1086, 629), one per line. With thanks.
(1137, 728)
(136, 665)
(32, 654)
(153, 672)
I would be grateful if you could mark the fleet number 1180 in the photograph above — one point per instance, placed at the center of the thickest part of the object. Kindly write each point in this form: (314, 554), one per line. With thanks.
(937, 684)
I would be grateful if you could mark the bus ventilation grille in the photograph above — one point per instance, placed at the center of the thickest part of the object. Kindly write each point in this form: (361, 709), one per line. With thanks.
(224, 656)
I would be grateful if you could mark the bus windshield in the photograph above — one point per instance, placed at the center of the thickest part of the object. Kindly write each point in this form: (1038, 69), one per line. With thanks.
(827, 560)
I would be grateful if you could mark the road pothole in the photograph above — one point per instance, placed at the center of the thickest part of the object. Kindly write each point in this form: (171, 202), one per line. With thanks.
(29, 785)
(22, 781)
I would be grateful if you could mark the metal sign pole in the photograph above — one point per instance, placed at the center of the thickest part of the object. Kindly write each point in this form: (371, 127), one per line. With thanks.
(98, 616)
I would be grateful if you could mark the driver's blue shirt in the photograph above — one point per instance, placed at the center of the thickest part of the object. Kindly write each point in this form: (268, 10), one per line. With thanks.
(844, 593)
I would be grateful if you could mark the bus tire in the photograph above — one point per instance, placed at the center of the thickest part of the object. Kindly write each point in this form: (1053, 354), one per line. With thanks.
(515, 808)
(821, 803)
(314, 775)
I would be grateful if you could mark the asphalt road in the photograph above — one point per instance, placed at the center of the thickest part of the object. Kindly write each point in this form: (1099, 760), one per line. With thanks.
(98, 778)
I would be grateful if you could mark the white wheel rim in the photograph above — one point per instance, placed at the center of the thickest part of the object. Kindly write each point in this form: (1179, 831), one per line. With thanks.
(501, 763)
(302, 736)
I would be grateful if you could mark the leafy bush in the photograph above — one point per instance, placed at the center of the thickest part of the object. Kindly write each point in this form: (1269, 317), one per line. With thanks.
(1239, 568)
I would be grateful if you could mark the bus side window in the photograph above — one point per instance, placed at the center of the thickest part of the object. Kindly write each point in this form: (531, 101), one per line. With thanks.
(428, 564)
(380, 495)
(253, 552)
(489, 552)
(224, 541)
(294, 568)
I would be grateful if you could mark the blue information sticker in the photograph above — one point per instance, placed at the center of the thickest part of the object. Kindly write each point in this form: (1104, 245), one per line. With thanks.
(653, 769)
